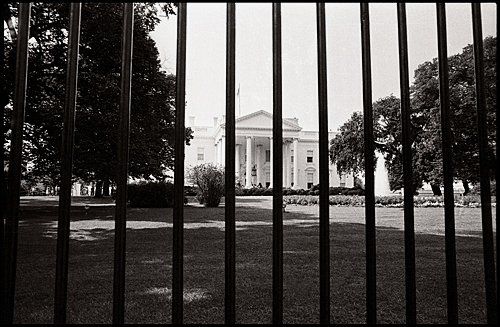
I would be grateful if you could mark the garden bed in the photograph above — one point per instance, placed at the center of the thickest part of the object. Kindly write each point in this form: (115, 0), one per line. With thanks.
(396, 201)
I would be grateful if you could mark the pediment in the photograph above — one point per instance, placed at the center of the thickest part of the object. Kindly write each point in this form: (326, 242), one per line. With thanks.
(263, 120)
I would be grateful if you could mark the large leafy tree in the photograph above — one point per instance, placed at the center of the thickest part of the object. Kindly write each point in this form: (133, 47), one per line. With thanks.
(425, 91)
(347, 147)
(96, 134)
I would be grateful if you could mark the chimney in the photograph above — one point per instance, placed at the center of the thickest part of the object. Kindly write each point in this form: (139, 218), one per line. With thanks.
(191, 121)
(215, 121)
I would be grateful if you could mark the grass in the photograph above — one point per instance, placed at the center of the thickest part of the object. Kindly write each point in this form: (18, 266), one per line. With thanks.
(149, 253)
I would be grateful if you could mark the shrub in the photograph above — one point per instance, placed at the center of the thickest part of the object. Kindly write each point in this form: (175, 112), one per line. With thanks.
(397, 201)
(190, 190)
(209, 179)
(268, 191)
(255, 191)
(476, 189)
(151, 195)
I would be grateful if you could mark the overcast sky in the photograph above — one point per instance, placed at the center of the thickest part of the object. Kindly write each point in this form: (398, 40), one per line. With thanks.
(206, 42)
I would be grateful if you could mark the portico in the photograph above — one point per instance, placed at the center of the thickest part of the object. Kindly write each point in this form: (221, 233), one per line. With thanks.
(254, 152)
(254, 158)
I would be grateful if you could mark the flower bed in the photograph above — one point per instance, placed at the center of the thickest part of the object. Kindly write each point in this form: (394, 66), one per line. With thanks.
(396, 201)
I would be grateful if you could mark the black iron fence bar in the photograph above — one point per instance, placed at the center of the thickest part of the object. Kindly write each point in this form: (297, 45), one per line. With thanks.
(63, 224)
(229, 207)
(15, 160)
(497, 176)
(488, 246)
(277, 315)
(122, 172)
(178, 210)
(447, 153)
(406, 132)
(3, 187)
(324, 170)
(369, 149)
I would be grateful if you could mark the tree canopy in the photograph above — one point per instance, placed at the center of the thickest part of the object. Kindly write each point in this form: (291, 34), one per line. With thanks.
(346, 149)
(96, 130)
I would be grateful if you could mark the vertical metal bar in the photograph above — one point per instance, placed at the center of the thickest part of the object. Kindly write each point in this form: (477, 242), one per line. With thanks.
(409, 232)
(369, 148)
(488, 246)
(277, 170)
(230, 227)
(15, 162)
(324, 202)
(3, 191)
(178, 218)
(449, 200)
(63, 224)
(497, 176)
(122, 173)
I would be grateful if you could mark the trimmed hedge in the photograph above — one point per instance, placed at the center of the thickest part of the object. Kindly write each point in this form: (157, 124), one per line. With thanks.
(257, 191)
(471, 201)
(151, 195)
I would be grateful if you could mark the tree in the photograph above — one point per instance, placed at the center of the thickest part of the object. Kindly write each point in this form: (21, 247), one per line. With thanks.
(426, 126)
(210, 180)
(96, 133)
(347, 147)
(425, 99)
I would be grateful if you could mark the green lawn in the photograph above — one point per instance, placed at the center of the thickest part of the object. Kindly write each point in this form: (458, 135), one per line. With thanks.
(149, 253)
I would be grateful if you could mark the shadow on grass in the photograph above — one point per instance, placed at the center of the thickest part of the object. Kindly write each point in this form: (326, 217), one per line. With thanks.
(149, 253)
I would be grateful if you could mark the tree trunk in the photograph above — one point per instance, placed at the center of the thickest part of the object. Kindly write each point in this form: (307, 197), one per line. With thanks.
(105, 188)
(465, 183)
(98, 189)
(436, 190)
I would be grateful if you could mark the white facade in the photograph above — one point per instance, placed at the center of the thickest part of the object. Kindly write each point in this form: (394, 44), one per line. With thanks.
(253, 157)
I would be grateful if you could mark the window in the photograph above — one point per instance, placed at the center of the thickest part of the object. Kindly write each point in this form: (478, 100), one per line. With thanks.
(268, 155)
(310, 180)
(291, 157)
(342, 181)
(268, 178)
(201, 154)
(310, 155)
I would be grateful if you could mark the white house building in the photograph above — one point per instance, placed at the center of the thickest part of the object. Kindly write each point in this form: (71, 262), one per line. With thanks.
(254, 151)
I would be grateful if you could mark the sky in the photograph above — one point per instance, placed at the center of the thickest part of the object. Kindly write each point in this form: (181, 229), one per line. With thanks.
(206, 59)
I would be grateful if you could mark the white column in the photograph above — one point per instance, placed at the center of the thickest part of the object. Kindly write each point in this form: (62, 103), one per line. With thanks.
(248, 181)
(284, 164)
(237, 161)
(218, 159)
(258, 163)
(288, 164)
(271, 162)
(223, 150)
(216, 153)
(295, 163)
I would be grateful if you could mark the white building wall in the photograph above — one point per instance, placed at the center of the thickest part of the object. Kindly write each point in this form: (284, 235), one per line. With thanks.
(258, 126)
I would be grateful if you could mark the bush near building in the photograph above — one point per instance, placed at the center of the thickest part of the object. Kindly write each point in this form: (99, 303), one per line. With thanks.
(259, 191)
(397, 201)
(209, 181)
(151, 195)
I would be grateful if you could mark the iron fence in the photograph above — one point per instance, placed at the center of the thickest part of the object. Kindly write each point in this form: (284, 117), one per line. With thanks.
(9, 251)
